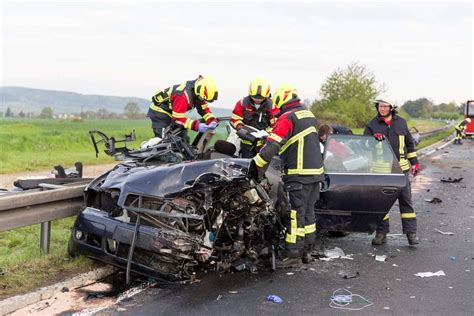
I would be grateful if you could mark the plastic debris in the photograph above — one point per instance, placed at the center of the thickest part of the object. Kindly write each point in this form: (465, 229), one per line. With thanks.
(219, 297)
(381, 258)
(348, 274)
(274, 299)
(289, 273)
(233, 292)
(394, 265)
(453, 258)
(430, 274)
(351, 276)
(413, 296)
(434, 200)
(335, 253)
(451, 180)
(444, 233)
(345, 299)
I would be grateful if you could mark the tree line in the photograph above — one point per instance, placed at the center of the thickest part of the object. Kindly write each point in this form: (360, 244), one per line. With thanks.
(347, 97)
(130, 111)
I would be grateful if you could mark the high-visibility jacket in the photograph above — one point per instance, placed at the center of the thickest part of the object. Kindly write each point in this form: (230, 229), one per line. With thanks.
(295, 139)
(461, 126)
(176, 100)
(246, 112)
(397, 133)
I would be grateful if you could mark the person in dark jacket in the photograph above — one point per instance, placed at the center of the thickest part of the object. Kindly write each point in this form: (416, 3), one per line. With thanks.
(387, 125)
(171, 105)
(325, 130)
(295, 139)
(254, 110)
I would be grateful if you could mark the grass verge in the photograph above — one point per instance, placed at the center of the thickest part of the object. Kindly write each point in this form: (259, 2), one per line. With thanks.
(22, 266)
(425, 142)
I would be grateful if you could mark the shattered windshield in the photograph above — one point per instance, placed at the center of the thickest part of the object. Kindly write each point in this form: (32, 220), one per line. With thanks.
(359, 154)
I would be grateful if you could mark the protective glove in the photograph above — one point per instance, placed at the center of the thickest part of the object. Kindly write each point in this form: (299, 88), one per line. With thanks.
(379, 136)
(259, 134)
(415, 169)
(203, 127)
(213, 125)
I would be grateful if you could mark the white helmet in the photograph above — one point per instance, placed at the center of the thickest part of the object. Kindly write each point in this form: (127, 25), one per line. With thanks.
(468, 119)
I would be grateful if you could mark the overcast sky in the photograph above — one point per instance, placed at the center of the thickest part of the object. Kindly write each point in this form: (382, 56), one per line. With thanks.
(115, 48)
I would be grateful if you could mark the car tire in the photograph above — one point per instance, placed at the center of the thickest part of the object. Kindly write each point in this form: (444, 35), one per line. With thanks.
(72, 250)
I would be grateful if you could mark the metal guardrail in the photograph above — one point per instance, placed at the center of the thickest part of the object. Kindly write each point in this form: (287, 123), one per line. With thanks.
(434, 131)
(40, 207)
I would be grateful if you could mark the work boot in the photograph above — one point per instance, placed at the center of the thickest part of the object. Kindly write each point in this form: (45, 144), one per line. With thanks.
(412, 239)
(306, 258)
(379, 239)
(307, 250)
(288, 262)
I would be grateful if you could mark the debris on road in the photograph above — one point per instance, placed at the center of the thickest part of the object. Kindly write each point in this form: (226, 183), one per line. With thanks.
(335, 253)
(233, 292)
(430, 274)
(219, 297)
(453, 258)
(349, 275)
(274, 299)
(444, 233)
(434, 200)
(381, 258)
(451, 180)
(345, 299)
(289, 273)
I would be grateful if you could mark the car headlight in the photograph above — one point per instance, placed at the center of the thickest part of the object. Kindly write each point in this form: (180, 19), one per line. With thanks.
(79, 234)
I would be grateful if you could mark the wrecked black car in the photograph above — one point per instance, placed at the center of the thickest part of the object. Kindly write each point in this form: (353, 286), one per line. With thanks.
(171, 208)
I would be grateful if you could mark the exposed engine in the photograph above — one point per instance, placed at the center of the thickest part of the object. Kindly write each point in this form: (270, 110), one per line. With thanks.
(215, 224)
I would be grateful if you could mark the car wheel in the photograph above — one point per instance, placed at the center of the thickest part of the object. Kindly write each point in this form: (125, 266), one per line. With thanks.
(72, 248)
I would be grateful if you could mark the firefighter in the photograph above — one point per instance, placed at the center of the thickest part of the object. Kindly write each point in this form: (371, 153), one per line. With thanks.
(295, 139)
(388, 125)
(171, 104)
(254, 110)
(460, 130)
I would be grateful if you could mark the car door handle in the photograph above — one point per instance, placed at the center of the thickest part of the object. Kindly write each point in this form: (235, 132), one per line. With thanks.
(389, 190)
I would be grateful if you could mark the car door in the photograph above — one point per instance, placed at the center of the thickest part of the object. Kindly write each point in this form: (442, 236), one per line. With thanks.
(363, 180)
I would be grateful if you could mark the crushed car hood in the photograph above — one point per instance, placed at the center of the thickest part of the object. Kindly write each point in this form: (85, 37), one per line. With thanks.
(164, 180)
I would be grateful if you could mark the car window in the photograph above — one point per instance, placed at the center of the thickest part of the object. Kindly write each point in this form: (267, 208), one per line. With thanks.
(359, 154)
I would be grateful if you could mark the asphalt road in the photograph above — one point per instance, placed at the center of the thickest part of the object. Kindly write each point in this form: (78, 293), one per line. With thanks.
(391, 286)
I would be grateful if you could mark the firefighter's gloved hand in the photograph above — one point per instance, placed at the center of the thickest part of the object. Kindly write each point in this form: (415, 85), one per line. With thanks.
(379, 136)
(213, 125)
(203, 127)
(415, 169)
(259, 134)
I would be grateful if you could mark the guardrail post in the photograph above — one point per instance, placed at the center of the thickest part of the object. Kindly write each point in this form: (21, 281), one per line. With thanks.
(45, 237)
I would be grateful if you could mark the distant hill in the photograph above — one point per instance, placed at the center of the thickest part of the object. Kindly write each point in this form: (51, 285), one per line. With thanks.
(33, 100)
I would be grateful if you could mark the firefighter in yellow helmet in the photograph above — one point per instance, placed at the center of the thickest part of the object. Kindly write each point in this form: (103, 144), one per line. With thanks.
(253, 111)
(171, 104)
(460, 130)
(295, 139)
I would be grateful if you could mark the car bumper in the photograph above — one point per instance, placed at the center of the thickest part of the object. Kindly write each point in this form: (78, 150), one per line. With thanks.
(99, 236)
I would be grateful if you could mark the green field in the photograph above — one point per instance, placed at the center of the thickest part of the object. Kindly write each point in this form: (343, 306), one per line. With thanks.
(40, 144)
(28, 145)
